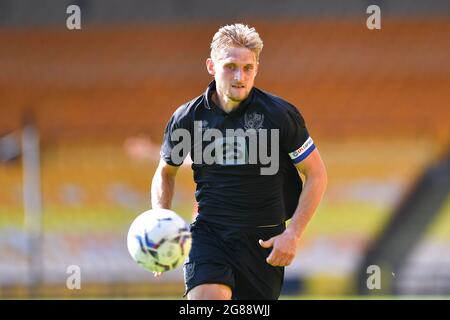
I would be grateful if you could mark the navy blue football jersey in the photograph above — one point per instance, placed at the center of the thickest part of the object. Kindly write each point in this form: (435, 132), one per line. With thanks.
(244, 160)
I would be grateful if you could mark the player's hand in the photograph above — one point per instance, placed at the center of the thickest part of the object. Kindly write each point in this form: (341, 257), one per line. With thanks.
(284, 248)
(157, 274)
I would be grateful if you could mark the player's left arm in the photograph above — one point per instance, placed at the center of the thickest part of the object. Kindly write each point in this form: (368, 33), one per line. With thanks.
(285, 245)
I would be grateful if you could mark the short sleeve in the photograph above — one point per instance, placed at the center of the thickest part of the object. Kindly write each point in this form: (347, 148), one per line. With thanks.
(174, 147)
(296, 140)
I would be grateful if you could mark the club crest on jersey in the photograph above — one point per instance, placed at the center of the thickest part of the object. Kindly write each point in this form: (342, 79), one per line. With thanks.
(253, 120)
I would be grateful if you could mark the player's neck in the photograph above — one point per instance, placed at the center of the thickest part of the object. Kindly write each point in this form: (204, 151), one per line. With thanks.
(225, 104)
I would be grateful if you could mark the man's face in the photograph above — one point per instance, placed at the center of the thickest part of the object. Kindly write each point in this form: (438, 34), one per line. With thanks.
(234, 72)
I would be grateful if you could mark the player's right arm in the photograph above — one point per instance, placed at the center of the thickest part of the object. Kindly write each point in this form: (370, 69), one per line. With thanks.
(163, 185)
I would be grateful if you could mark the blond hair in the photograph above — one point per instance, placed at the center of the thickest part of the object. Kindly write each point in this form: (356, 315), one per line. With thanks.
(236, 35)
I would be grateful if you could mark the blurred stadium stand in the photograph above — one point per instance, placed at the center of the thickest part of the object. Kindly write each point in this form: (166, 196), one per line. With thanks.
(405, 230)
(48, 12)
(376, 103)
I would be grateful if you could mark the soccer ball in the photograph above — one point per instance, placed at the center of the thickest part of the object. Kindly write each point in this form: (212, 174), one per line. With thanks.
(159, 240)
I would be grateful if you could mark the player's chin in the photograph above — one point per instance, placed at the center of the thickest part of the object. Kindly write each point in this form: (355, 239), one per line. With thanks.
(238, 97)
(282, 263)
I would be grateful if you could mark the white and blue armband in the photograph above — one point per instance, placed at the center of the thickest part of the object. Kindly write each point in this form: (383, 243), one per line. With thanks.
(302, 152)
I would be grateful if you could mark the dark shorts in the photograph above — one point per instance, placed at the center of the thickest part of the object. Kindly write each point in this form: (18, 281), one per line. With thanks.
(232, 256)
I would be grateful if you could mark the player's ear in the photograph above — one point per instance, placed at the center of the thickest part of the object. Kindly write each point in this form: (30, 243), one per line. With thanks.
(210, 66)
